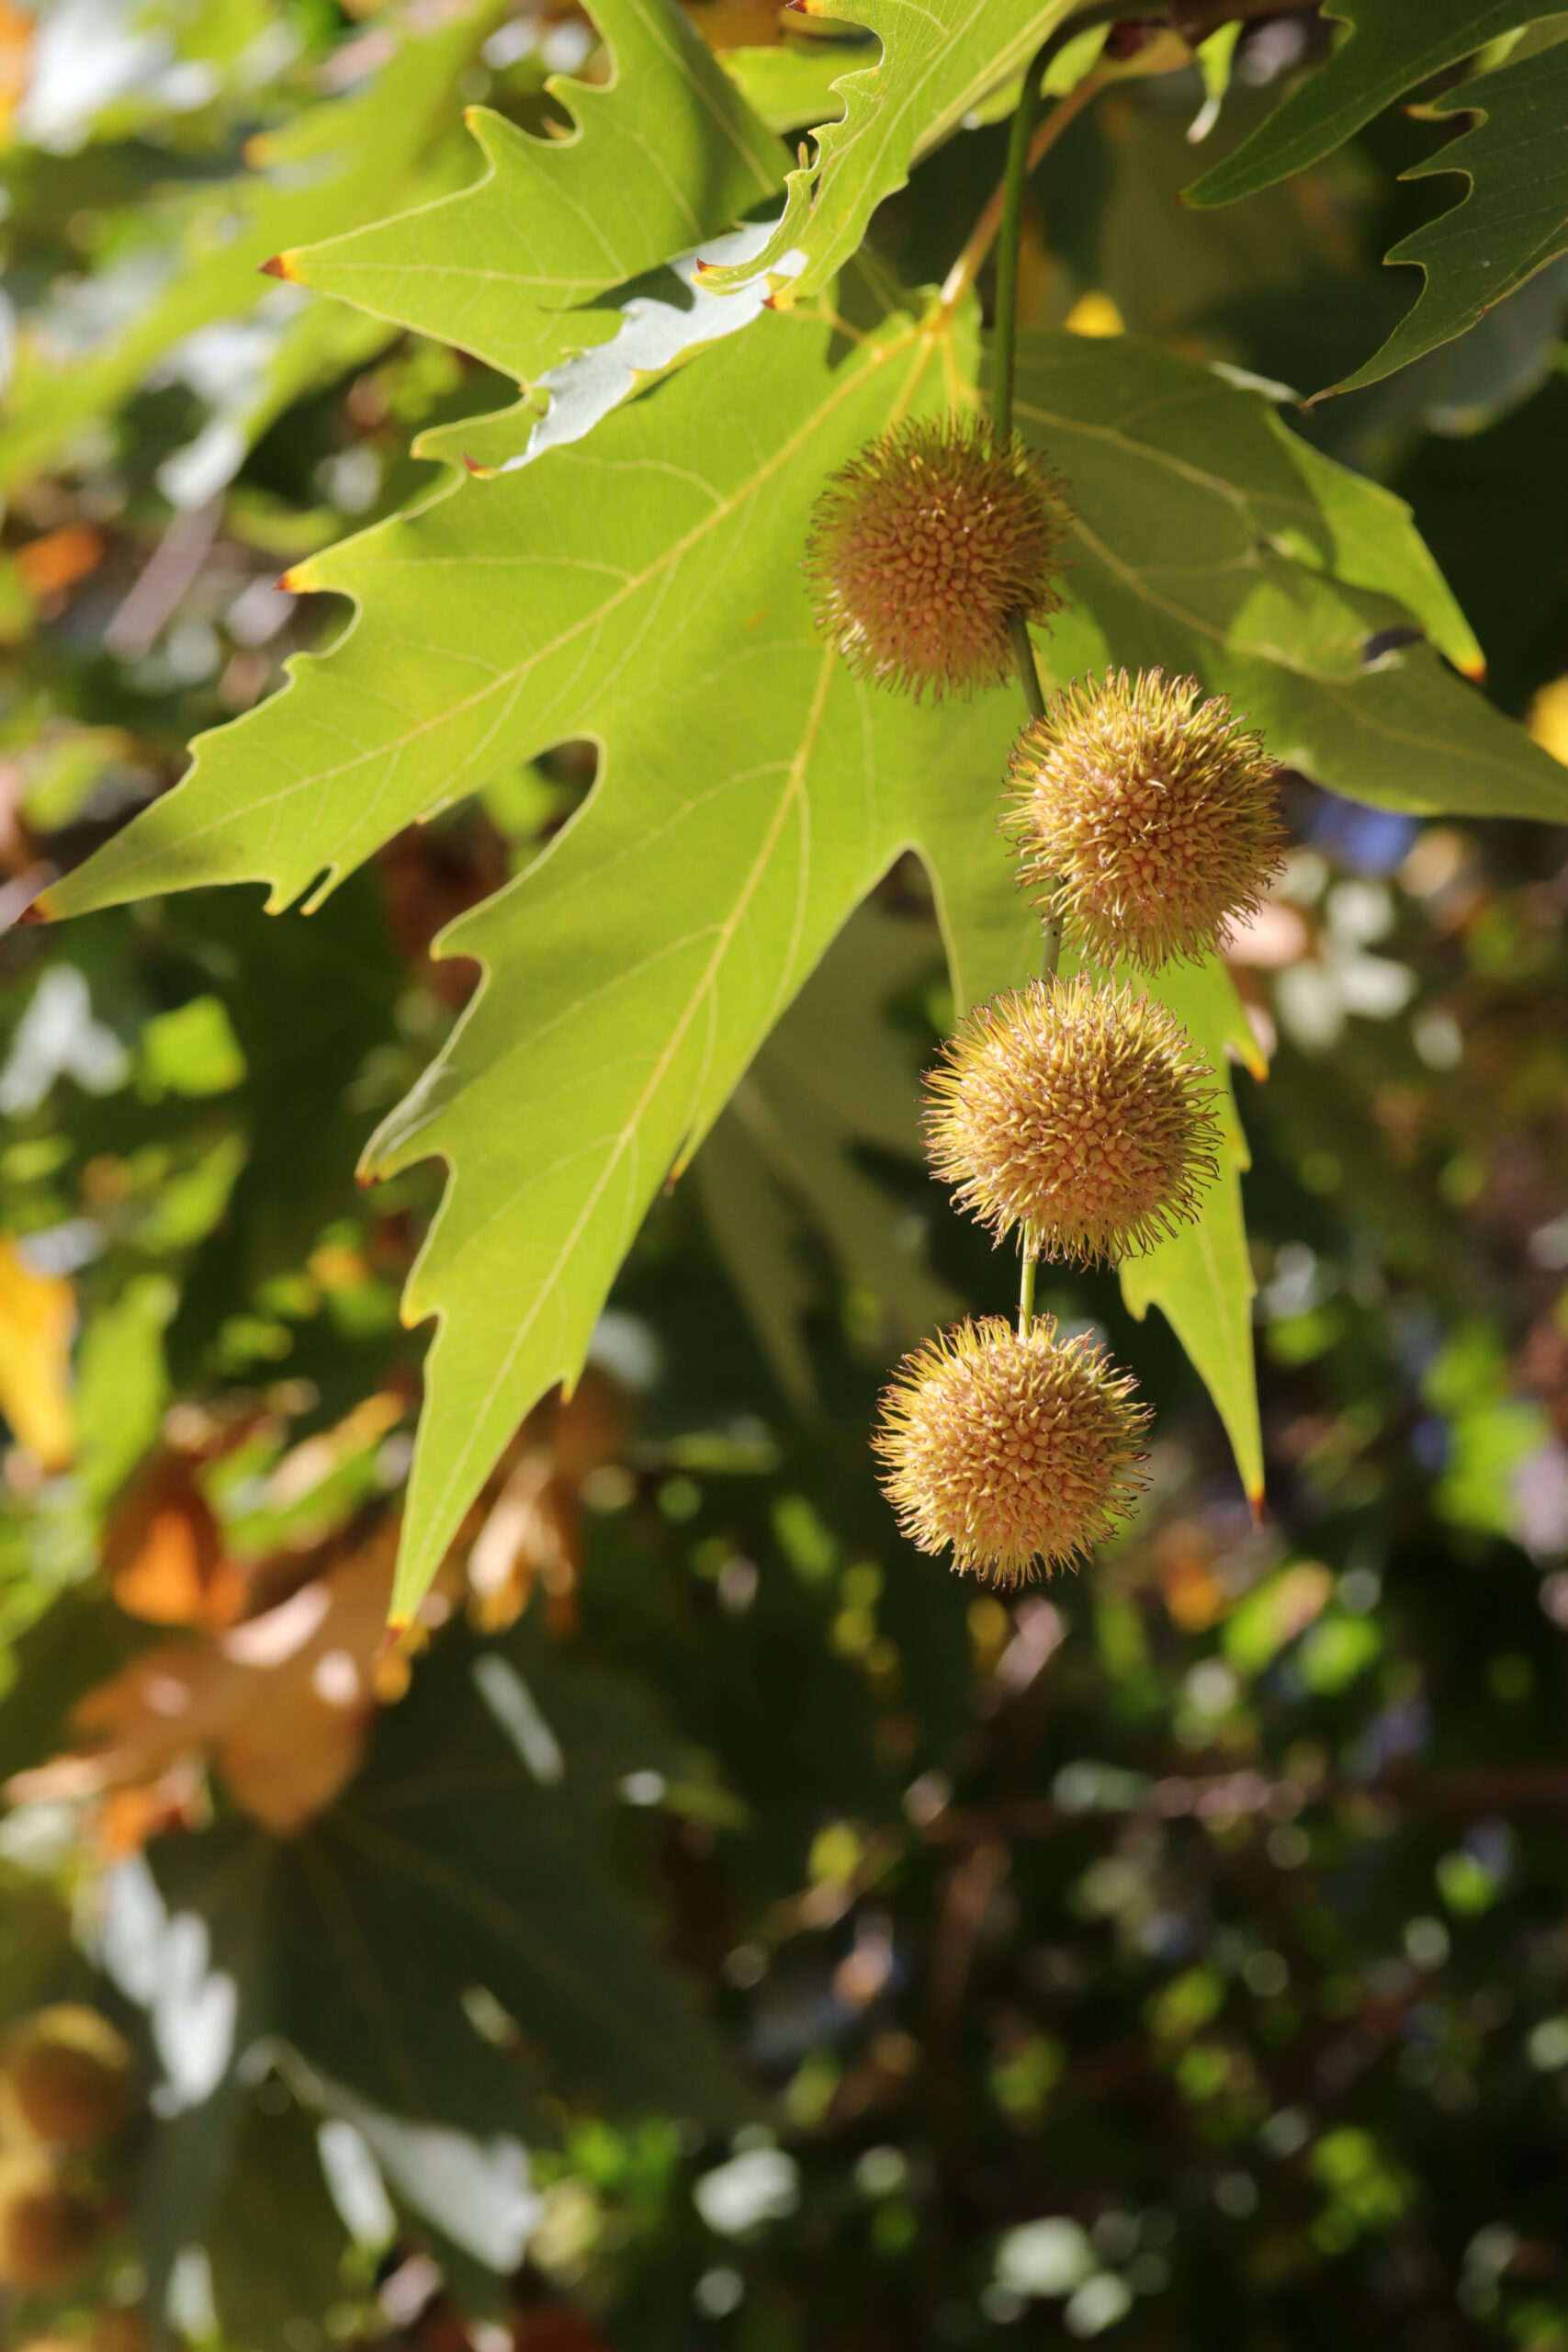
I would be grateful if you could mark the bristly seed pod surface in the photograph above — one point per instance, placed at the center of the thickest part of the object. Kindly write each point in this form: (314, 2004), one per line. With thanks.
(1081, 1116)
(1017, 1451)
(1147, 819)
(922, 546)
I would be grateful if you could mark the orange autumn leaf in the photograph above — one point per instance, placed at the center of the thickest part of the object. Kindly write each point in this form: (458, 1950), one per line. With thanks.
(282, 1704)
(162, 1551)
(1192, 1592)
(38, 1316)
(61, 557)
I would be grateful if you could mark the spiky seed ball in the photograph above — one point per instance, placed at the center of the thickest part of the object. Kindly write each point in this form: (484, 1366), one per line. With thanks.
(924, 544)
(1081, 1116)
(68, 2076)
(47, 2228)
(1014, 1452)
(1146, 818)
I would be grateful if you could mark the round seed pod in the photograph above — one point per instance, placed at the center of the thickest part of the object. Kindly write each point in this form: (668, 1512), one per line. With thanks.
(924, 544)
(1080, 1116)
(48, 2229)
(68, 2077)
(1146, 820)
(1016, 1453)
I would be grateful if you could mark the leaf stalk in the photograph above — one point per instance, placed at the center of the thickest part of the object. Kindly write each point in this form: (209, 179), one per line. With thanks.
(1026, 1292)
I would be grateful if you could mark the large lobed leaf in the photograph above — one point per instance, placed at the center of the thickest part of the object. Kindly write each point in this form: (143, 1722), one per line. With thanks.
(513, 268)
(1391, 45)
(1514, 219)
(1211, 540)
(937, 62)
(834, 1075)
(643, 588)
(466, 1855)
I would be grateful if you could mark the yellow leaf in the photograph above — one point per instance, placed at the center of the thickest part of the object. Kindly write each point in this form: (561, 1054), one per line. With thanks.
(1548, 720)
(38, 1316)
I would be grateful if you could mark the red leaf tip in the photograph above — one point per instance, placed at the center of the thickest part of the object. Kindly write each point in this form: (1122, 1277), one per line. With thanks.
(280, 265)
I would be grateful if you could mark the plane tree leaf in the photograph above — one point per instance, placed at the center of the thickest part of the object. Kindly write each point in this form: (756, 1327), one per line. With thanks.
(514, 268)
(193, 266)
(1512, 220)
(834, 1075)
(1201, 1277)
(937, 62)
(275, 2246)
(1388, 48)
(791, 88)
(409, 1957)
(642, 589)
(752, 793)
(1210, 539)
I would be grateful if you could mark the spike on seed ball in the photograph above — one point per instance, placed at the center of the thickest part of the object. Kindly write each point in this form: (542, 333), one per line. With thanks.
(924, 544)
(1016, 1453)
(68, 2076)
(1081, 1116)
(1145, 819)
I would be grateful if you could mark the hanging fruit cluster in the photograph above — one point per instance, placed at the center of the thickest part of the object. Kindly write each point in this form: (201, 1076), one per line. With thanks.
(1075, 1114)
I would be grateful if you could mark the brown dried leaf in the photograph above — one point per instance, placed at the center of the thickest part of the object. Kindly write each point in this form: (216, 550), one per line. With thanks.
(282, 1704)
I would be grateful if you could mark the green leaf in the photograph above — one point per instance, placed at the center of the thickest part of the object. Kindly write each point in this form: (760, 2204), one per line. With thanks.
(1512, 223)
(938, 62)
(1391, 46)
(513, 268)
(35, 1938)
(1376, 547)
(833, 1075)
(466, 1854)
(339, 163)
(122, 1384)
(271, 2238)
(752, 791)
(787, 83)
(1200, 1279)
(1211, 541)
(647, 953)
(192, 1050)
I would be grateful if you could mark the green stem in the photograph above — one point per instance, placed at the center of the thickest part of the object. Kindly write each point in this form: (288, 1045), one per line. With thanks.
(1026, 1292)
(1004, 348)
(1023, 656)
(1004, 336)
(1010, 243)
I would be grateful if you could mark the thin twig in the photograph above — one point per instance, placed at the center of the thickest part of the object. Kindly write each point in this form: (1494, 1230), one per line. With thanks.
(1487, 1789)
(983, 236)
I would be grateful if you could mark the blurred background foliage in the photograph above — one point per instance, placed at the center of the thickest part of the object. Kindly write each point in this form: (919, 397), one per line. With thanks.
(714, 1924)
